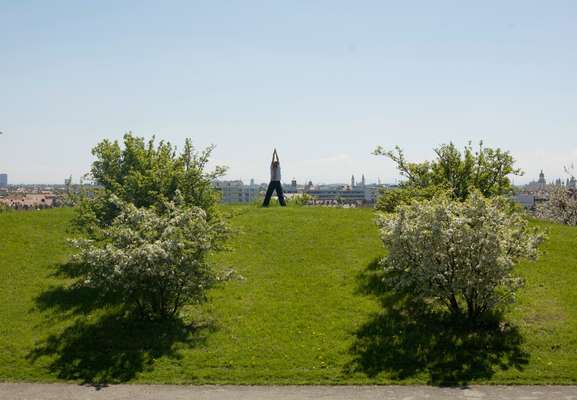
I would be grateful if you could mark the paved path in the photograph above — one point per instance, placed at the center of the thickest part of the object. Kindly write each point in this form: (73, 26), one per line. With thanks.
(24, 391)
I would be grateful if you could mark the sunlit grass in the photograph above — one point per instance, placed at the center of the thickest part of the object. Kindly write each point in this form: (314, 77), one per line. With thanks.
(293, 313)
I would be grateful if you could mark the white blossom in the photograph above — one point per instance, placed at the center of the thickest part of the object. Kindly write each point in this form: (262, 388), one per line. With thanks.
(157, 261)
(561, 206)
(460, 254)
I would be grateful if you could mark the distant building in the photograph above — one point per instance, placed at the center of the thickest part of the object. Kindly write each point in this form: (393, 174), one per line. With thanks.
(354, 183)
(345, 194)
(538, 187)
(542, 183)
(31, 201)
(541, 186)
(366, 195)
(237, 191)
(3, 180)
(525, 199)
(538, 191)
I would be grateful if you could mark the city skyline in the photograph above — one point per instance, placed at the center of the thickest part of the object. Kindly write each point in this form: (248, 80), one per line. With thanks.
(323, 82)
(316, 167)
(249, 181)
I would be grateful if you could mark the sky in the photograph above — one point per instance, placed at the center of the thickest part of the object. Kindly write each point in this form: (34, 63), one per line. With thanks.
(324, 82)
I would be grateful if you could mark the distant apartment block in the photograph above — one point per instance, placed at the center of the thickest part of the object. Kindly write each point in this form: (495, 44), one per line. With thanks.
(3, 180)
(363, 195)
(237, 191)
(355, 193)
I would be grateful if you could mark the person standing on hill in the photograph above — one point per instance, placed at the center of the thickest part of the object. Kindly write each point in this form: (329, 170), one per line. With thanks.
(274, 182)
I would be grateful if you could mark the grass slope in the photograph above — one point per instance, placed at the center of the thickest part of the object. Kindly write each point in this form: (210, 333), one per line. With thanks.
(297, 317)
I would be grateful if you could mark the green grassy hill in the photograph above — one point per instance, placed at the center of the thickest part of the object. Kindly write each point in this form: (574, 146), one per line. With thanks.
(295, 313)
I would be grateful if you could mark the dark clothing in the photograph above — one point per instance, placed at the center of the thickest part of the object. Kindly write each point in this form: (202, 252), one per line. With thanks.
(272, 186)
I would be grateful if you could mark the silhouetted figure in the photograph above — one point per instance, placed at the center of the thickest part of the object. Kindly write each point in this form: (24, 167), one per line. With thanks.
(274, 182)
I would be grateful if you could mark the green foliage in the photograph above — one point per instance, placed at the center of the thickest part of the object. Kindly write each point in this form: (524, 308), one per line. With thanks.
(147, 174)
(459, 254)
(157, 262)
(486, 170)
(390, 199)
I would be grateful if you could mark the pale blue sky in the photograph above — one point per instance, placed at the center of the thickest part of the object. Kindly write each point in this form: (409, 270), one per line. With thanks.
(323, 81)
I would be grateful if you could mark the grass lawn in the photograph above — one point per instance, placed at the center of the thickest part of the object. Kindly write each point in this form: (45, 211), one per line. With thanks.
(297, 314)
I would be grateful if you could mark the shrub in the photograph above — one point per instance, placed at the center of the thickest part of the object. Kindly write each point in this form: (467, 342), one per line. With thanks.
(561, 206)
(390, 199)
(147, 174)
(458, 254)
(156, 262)
(302, 199)
(485, 170)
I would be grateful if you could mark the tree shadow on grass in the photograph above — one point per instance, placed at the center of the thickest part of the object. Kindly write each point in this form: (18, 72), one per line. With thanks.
(409, 339)
(67, 301)
(115, 348)
(111, 345)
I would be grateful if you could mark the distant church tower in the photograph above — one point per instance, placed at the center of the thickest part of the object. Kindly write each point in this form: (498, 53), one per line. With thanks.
(542, 182)
(363, 181)
(352, 181)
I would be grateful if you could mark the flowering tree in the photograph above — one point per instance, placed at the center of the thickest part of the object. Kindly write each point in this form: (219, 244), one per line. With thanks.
(459, 254)
(561, 206)
(155, 261)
